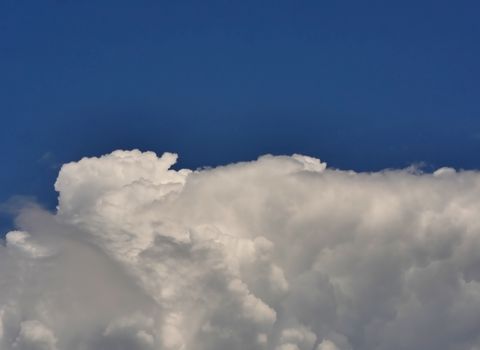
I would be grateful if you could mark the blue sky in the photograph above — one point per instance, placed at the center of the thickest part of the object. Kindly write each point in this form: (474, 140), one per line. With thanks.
(360, 84)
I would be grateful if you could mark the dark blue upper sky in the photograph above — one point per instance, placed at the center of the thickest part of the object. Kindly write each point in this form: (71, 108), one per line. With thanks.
(360, 84)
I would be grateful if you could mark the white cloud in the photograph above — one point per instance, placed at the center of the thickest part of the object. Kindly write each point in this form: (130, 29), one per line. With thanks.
(35, 336)
(278, 253)
(327, 345)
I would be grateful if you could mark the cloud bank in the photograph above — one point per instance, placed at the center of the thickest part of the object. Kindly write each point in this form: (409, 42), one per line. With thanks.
(280, 253)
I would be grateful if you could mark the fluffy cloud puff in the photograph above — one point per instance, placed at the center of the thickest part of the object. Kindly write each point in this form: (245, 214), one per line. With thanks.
(281, 253)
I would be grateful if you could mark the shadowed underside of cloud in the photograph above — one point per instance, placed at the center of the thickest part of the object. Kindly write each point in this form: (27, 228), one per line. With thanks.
(281, 253)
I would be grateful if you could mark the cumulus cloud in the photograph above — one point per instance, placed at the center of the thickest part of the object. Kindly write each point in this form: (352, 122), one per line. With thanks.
(281, 253)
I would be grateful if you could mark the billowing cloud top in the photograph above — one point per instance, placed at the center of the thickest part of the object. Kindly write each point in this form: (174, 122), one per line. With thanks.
(276, 254)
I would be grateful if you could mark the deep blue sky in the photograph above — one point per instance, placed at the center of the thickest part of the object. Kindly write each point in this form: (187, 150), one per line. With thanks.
(360, 84)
